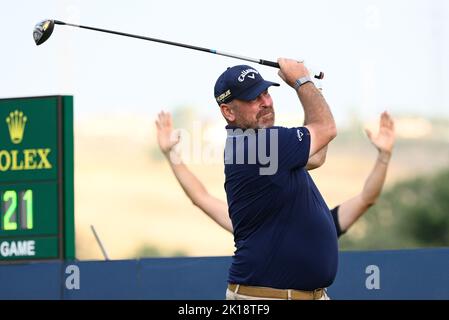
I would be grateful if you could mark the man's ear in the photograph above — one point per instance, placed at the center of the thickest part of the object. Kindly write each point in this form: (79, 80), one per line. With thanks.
(227, 112)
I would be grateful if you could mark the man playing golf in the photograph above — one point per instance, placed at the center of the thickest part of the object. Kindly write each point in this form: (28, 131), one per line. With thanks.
(285, 238)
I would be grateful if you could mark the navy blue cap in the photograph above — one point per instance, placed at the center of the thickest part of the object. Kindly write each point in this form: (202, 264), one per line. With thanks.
(240, 82)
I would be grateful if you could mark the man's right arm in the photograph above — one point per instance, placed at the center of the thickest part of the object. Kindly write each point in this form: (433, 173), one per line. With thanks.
(318, 118)
(354, 208)
(215, 208)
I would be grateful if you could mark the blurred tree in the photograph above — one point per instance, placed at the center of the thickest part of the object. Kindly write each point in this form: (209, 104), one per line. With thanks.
(148, 250)
(428, 212)
(413, 213)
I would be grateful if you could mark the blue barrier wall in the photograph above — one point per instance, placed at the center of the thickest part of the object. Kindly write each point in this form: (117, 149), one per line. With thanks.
(398, 274)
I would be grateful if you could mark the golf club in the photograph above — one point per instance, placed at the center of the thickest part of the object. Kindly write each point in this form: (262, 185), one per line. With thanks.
(43, 30)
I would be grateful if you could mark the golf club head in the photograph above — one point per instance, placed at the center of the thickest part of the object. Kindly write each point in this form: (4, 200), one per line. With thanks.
(42, 31)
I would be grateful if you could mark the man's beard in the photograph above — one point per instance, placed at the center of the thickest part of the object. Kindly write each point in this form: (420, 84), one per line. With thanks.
(257, 123)
(265, 121)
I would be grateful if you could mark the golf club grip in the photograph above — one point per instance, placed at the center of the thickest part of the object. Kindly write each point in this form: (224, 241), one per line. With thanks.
(276, 65)
(269, 63)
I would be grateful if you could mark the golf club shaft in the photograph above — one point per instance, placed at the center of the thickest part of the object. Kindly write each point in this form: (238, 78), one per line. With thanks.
(99, 243)
(226, 54)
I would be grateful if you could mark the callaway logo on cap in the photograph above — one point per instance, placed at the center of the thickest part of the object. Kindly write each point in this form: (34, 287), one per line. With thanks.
(240, 82)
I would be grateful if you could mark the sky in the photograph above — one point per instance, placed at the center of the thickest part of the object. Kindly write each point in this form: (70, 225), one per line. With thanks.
(376, 55)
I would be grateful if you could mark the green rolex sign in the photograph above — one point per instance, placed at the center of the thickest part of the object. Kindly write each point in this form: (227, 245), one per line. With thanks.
(36, 179)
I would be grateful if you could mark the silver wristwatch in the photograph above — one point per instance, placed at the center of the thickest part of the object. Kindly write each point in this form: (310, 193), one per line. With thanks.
(301, 81)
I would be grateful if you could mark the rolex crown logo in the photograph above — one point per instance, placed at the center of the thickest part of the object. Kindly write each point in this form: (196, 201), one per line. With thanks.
(16, 124)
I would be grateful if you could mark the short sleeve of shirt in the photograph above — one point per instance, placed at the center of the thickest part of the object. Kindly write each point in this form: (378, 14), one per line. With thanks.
(334, 213)
(294, 147)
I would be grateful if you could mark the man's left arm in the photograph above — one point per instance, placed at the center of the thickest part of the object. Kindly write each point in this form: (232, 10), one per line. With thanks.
(317, 160)
(350, 210)
(354, 208)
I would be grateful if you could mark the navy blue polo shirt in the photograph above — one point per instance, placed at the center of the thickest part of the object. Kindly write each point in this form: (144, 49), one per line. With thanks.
(284, 234)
